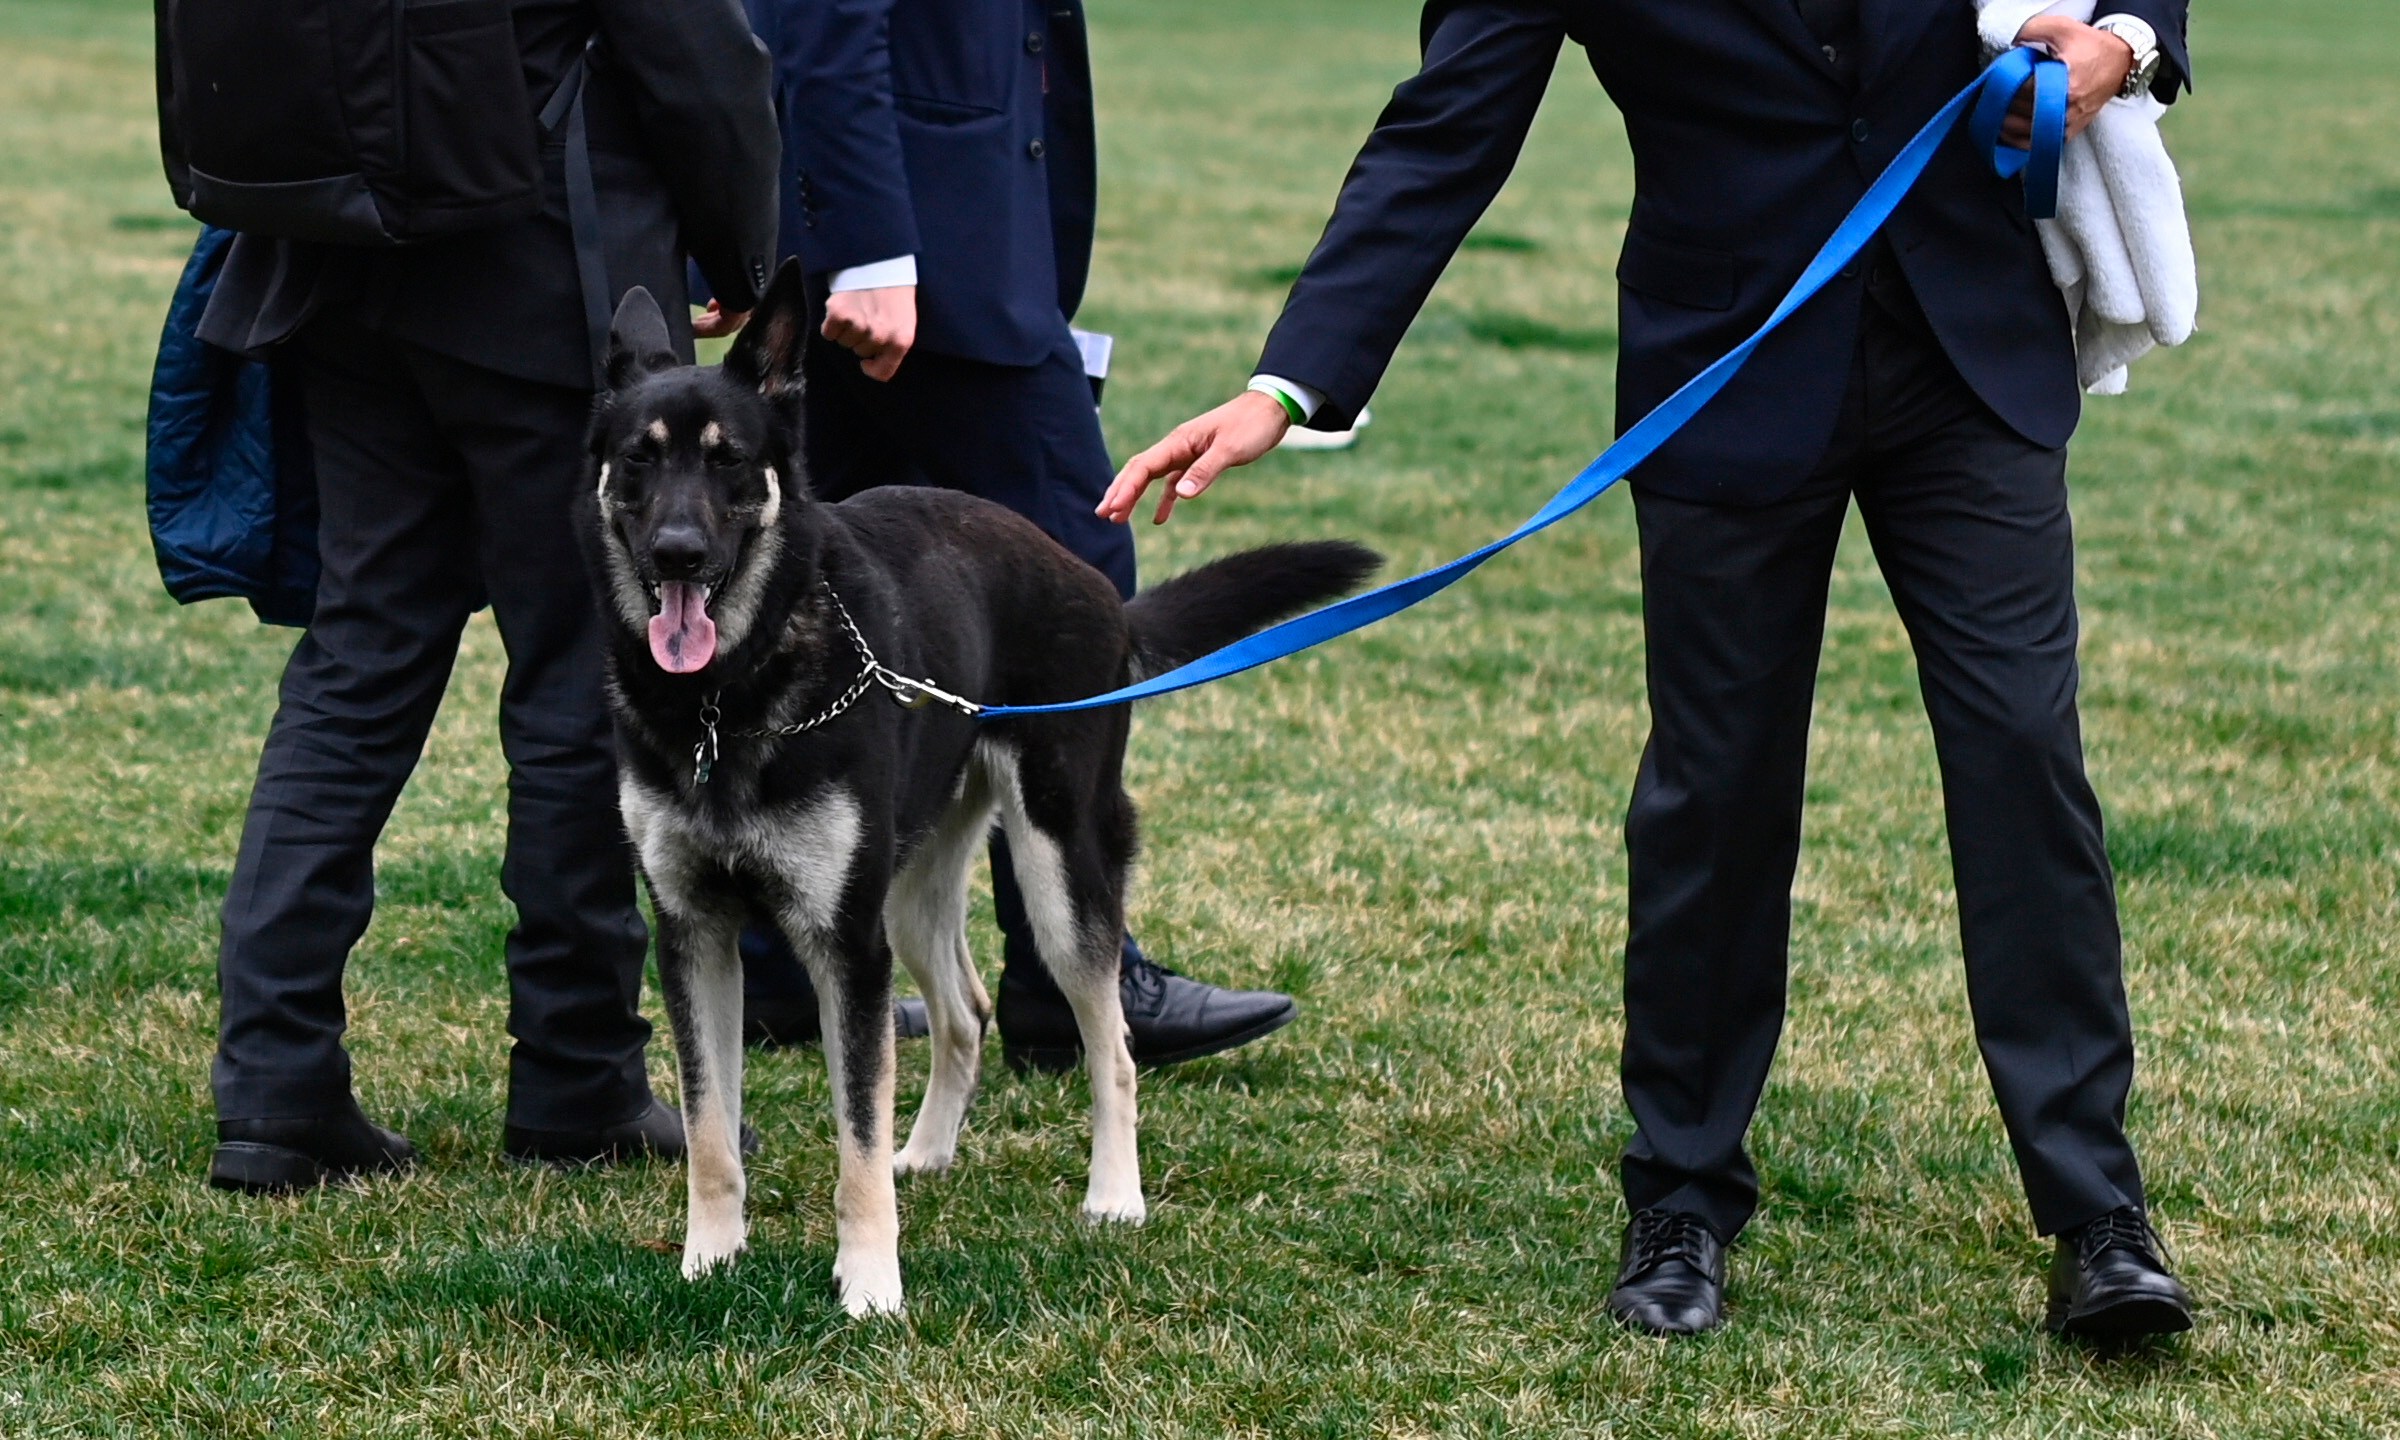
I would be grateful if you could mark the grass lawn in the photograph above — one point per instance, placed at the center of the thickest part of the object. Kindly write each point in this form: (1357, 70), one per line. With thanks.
(1399, 1216)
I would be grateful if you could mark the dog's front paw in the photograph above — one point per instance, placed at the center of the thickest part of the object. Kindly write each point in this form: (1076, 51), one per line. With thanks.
(927, 1161)
(704, 1251)
(869, 1287)
(1126, 1208)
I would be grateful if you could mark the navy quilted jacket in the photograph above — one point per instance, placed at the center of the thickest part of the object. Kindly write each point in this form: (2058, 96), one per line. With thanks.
(232, 492)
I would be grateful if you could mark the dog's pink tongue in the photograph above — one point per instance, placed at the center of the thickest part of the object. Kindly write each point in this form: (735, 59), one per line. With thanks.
(682, 636)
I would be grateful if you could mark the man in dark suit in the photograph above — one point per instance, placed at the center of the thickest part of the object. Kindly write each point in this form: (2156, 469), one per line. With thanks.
(940, 191)
(448, 387)
(1934, 383)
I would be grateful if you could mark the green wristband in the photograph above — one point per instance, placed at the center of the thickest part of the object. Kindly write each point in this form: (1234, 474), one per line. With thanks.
(1291, 406)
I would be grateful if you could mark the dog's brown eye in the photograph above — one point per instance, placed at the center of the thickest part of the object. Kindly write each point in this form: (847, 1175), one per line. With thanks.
(726, 459)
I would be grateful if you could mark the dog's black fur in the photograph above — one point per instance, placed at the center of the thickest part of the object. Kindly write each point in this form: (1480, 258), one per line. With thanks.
(854, 835)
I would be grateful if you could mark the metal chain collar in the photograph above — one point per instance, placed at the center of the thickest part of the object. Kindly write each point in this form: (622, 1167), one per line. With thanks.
(908, 694)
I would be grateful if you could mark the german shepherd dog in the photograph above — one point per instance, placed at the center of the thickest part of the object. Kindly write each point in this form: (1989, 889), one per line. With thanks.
(757, 641)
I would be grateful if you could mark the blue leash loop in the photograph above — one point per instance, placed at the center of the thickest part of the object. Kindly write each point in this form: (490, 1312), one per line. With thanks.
(1986, 104)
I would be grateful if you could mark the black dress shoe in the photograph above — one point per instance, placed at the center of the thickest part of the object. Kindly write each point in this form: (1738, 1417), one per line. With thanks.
(265, 1157)
(1671, 1280)
(1172, 1019)
(655, 1134)
(2109, 1283)
(771, 1022)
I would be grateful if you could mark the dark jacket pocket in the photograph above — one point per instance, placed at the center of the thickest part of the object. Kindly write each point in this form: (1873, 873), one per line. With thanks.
(928, 111)
(1679, 273)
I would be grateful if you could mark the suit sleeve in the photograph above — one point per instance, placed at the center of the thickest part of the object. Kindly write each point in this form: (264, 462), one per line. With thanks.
(1439, 153)
(2170, 19)
(702, 91)
(834, 70)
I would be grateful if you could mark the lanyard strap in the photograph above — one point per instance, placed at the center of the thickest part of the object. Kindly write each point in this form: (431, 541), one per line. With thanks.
(1986, 102)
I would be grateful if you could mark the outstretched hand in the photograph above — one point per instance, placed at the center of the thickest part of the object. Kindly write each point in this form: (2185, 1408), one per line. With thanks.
(1195, 453)
(2097, 64)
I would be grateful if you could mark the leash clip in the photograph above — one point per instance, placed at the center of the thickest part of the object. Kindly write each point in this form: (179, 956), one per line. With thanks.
(917, 694)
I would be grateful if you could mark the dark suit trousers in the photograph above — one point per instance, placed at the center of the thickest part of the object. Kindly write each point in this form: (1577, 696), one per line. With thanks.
(442, 484)
(1969, 524)
(1027, 437)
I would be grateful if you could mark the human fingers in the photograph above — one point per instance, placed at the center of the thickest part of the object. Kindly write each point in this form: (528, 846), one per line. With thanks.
(1214, 461)
(1162, 461)
(2097, 63)
(714, 324)
(2017, 130)
(843, 330)
(882, 361)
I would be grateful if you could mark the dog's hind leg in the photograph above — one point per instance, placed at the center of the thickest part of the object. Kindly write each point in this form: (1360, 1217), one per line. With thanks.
(701, 971)
(853, 975)
(925, 916)
(1074, 896)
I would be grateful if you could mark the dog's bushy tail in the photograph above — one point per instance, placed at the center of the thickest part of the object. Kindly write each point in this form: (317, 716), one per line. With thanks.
(1224, 600)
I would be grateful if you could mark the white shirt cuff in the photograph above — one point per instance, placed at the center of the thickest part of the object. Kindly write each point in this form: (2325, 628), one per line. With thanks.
(1309, 399)
(882, 275)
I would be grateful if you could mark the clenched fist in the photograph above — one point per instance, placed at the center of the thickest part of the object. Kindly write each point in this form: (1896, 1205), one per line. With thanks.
(878, 326)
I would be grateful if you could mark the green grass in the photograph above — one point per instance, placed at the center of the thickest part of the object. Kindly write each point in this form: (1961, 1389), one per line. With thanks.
(1397, 1218)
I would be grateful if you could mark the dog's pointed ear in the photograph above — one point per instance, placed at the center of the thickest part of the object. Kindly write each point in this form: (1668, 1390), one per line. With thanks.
(766, 355)
(638, 342)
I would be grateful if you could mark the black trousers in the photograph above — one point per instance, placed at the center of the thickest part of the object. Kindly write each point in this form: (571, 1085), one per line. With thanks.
(442, 484)
(1027, 437)
(1970, 526)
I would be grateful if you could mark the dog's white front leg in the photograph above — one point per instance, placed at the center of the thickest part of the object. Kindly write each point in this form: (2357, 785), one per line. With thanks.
(857, 1032)
(703, 971)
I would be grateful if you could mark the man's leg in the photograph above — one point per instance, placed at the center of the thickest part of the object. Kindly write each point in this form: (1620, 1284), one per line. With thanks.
(575, 954)
(1733, 603)
(358, 697)
(1971, 528)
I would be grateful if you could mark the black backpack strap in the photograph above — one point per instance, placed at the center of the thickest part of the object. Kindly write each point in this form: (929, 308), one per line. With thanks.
(583, 205)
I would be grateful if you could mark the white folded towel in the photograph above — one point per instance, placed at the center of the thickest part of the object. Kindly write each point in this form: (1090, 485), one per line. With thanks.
(2121, 247)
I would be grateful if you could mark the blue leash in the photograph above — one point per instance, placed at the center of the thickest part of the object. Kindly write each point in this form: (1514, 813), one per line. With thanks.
(1986, 104)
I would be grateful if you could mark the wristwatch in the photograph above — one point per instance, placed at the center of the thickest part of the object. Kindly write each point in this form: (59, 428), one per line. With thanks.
(2137, 33)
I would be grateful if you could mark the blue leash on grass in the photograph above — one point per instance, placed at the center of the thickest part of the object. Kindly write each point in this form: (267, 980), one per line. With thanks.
(1985, 104)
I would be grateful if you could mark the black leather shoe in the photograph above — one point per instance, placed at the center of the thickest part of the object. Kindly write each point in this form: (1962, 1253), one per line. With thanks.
(655, 1134)
(1172, 1019)
(2109, 1283)
(1671, 1280)
(266, 1157)
(771, 1022)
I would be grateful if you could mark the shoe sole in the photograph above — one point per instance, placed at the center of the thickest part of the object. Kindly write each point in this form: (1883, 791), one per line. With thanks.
(1662, 1332)
(252, 1168)
(2129, 1320)
(1058, 1059)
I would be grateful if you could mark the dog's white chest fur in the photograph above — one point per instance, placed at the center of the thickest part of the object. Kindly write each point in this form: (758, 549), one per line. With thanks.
(809, 847)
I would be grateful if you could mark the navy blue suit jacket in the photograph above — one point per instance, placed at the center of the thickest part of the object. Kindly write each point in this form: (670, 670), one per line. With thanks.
(959, 131)
(1748, 148)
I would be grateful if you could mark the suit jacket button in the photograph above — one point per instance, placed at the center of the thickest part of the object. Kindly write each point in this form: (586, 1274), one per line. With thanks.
(1033, 43)
(1037, 149)
(1859, 130)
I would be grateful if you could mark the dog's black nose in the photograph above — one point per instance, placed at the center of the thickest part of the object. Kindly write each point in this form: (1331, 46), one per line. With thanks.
(678, 551)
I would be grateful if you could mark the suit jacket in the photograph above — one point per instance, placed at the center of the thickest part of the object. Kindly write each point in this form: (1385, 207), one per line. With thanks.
(957, 131)
(684, 157)
(1749, 146)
